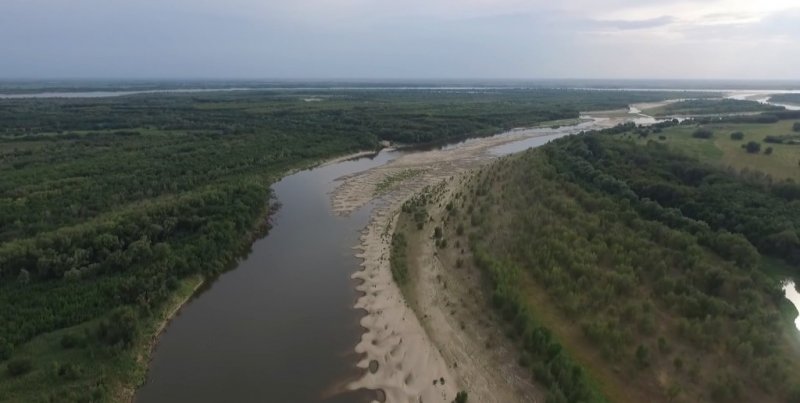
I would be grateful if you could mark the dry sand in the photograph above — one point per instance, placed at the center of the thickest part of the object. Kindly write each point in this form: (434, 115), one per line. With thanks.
(400, 359)
(404, 357)
(358, 189)
(455, 309)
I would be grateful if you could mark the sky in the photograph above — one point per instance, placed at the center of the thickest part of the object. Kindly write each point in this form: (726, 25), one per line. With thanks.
(400, 39)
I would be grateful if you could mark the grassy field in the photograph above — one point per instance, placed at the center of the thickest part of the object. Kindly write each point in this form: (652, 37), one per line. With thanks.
(721, 150)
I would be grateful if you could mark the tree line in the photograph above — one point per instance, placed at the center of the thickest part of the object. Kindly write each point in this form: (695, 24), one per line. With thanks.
(659, 260)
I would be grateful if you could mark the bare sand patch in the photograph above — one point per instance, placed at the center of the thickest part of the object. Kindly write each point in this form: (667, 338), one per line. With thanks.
(399, 357)
(358, 189)
(454, 308)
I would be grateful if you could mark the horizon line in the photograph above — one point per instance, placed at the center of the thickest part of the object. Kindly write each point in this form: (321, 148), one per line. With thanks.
(383, 79)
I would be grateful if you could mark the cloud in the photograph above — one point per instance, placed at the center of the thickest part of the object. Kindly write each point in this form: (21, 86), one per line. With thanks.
(400, 39)
(634, 24)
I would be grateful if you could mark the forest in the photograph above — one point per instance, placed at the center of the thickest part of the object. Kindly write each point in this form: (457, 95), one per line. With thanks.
(786, 98)
(110, 208)
(711, 107)
(603, 253)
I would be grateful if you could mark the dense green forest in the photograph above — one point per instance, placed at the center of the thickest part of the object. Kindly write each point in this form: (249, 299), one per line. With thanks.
(637, 272)
(711, 107)
(772, 116)
(409, 116)
(111, 207)
(786, 98)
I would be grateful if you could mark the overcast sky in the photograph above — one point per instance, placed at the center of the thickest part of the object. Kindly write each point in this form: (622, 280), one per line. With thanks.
(748, 39)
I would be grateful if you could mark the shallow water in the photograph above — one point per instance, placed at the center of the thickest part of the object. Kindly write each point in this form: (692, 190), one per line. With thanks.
(545, 135)
(764, 97)
(522, 145)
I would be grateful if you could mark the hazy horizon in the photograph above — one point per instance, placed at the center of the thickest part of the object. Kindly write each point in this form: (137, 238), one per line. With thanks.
(410, 40)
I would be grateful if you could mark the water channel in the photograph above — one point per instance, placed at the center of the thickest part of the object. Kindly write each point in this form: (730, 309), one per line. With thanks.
(281, 326)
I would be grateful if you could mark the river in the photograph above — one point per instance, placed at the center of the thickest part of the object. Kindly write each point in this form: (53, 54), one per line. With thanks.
(281, 326)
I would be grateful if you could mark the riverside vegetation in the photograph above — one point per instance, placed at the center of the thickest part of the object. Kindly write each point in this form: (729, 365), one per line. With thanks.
(632, 272)
(114, 210)
(786, 98)
(696, 107)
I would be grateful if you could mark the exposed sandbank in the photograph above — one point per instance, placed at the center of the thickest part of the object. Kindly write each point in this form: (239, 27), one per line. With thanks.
(405, 357)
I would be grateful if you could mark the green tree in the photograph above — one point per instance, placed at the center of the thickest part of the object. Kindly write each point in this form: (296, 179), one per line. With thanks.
(703, 133)
(19, 366)
(662, 345)
(24, 277)
(745, 351)
(69, 371)
(752, 147)
(6, 349)
(71, 340)
(794, 394)
(120, 327)
(642, 356)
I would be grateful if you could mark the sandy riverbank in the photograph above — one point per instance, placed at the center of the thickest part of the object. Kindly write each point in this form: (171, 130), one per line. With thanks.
(455, 308)
(400, 359)
(358, 189)
(405, 357)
